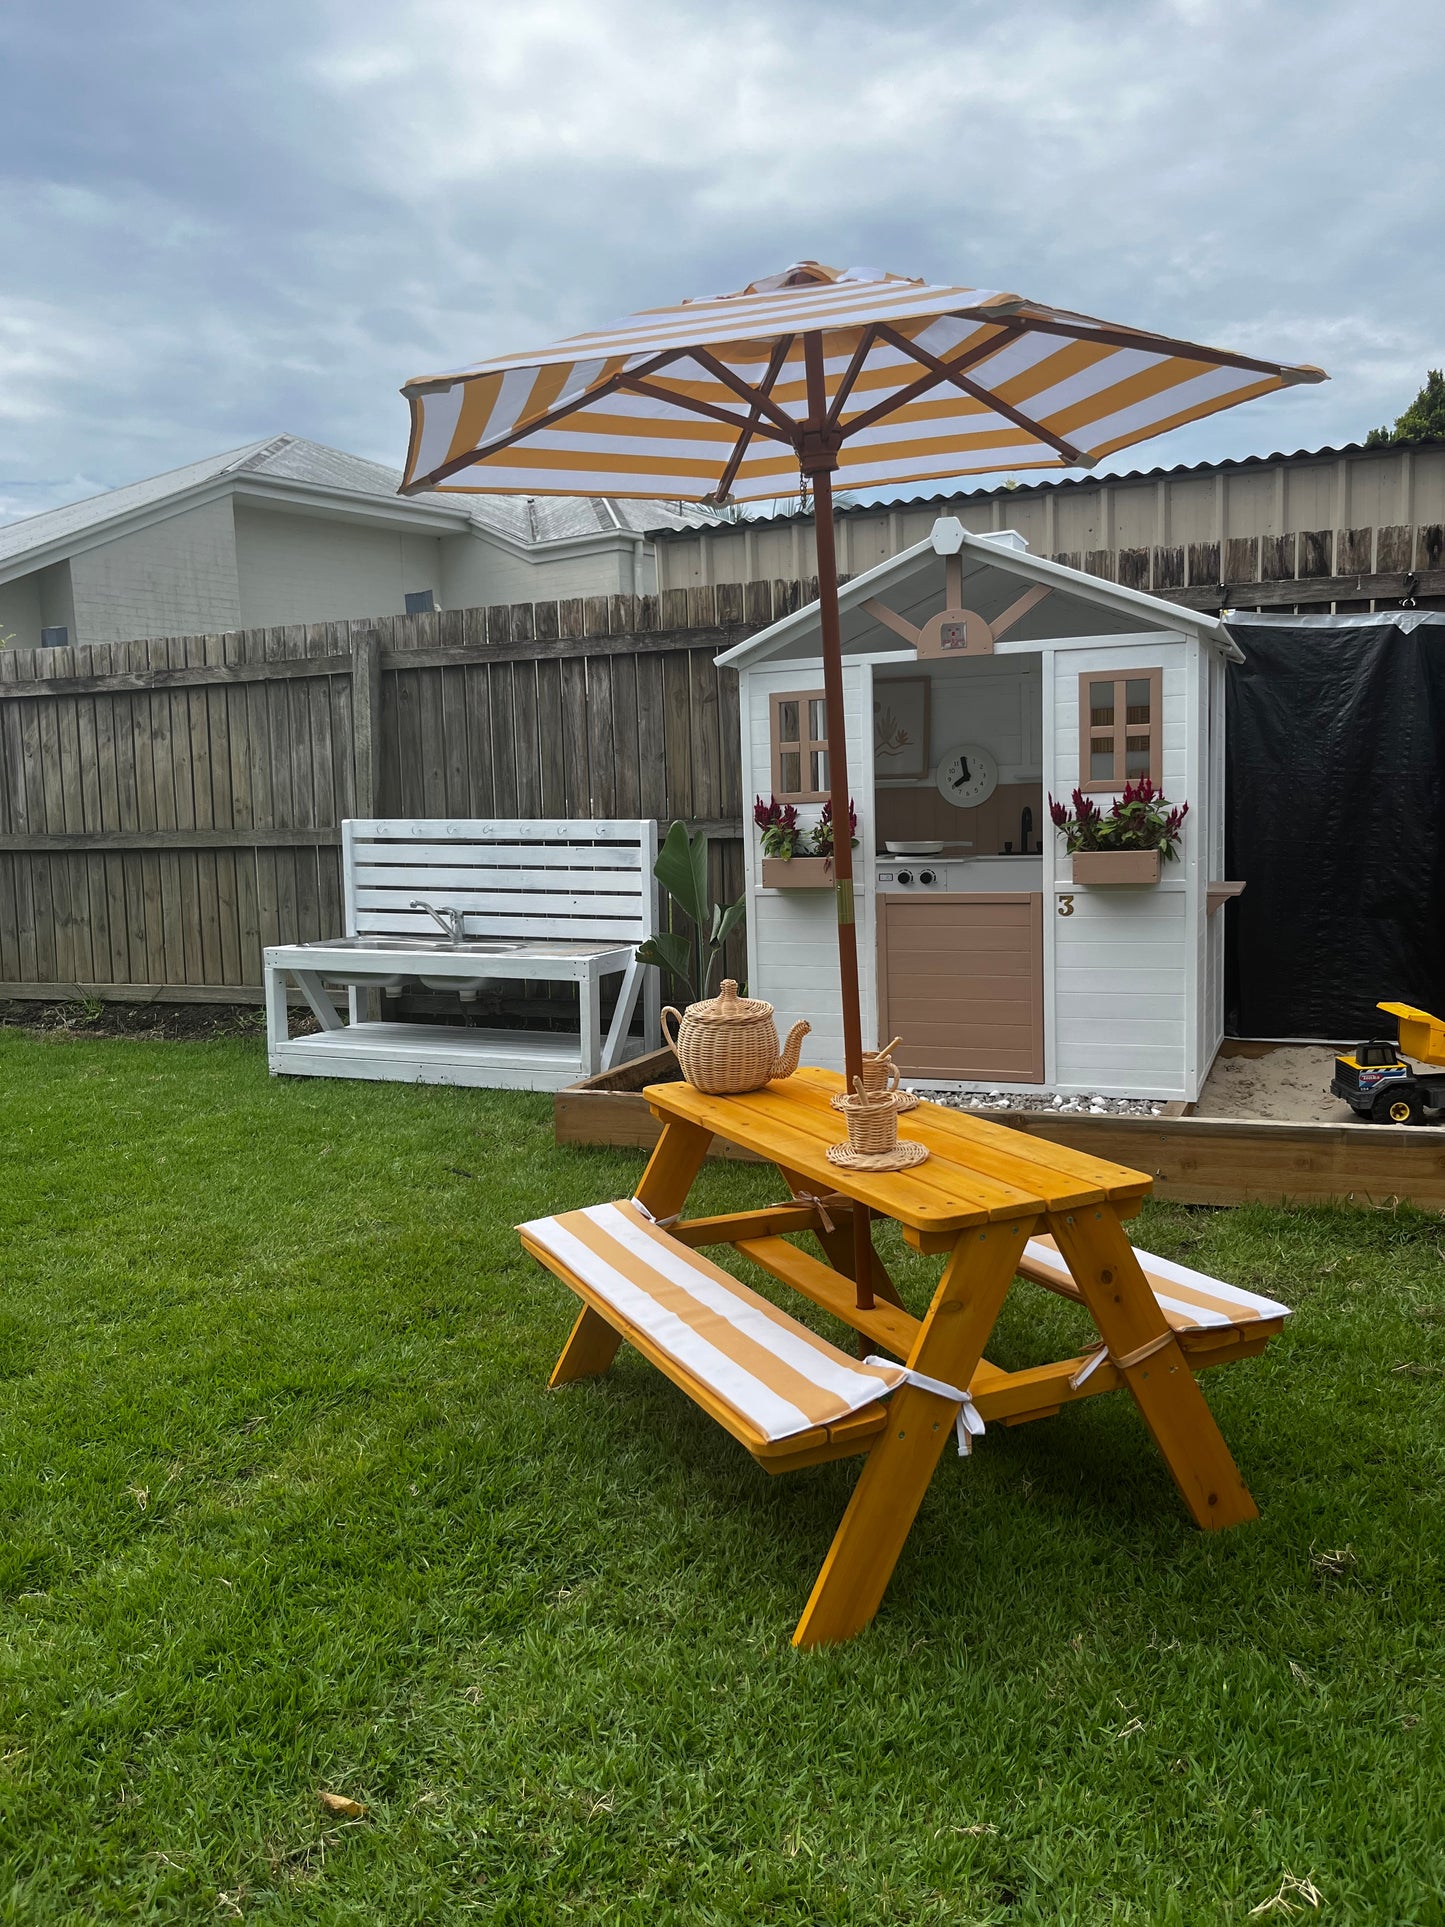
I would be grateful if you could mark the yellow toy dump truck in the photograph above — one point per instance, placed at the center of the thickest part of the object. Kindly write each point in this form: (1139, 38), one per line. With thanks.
(1376, 1082)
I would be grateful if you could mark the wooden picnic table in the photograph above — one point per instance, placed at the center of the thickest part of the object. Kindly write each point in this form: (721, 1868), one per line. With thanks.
(977, 1200)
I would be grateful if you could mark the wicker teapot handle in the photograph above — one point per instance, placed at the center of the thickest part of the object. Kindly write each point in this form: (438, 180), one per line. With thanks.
(676, 1015)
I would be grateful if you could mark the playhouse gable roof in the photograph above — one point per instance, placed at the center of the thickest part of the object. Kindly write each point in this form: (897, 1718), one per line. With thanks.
(996, 570)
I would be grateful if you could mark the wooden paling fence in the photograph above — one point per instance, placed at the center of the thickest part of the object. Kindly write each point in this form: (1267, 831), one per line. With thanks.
(170, 807)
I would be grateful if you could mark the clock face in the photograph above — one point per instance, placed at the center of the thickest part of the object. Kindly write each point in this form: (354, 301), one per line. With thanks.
(967, 775)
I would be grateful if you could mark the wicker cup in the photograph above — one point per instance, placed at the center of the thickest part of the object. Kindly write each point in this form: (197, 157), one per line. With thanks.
(880, 1074)
(872, 1121)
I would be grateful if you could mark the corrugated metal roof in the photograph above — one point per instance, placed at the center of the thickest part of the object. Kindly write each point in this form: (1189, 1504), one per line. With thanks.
(1095, 479)
(291, 458)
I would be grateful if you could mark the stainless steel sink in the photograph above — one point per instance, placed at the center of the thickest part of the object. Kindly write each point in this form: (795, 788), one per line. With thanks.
(403, 946)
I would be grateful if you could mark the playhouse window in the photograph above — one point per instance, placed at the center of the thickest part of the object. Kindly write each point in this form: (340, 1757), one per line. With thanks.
(800, 746)
(1119, 729)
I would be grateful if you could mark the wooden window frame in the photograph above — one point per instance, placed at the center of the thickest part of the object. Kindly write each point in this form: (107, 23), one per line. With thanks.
(1120, 729)
(807, 744)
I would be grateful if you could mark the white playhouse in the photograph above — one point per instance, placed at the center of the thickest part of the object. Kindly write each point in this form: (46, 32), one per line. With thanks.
(979, 681)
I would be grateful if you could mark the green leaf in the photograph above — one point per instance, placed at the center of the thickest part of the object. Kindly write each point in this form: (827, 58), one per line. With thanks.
(726, 918)
(681, 869)
(671, 952)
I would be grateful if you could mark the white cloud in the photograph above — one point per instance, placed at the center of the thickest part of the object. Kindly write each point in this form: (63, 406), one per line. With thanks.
(221, 223)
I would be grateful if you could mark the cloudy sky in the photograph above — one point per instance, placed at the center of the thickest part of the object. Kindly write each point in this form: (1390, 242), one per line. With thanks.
(221, 221)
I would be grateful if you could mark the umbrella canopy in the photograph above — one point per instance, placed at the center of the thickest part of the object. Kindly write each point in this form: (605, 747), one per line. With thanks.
(709, 399)
(875, 377)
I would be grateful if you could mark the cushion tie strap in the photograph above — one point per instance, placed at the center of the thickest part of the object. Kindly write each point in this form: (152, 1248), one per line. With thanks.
(969, 1423)
(642, 1211)
(1123, 1363)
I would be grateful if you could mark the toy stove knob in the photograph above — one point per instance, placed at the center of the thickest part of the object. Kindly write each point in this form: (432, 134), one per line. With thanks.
(905, 876)
(927, 876)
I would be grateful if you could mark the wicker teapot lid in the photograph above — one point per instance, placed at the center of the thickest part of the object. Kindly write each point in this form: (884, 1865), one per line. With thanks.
(728, 1008)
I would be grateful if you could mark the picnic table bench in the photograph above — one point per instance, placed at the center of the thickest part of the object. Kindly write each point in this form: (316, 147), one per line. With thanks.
(995, 1204)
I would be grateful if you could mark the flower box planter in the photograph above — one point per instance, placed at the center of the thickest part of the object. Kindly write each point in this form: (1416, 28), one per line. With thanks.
(1116, 866)
(797, 872)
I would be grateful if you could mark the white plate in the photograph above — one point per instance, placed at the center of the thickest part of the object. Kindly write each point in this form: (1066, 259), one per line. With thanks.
(913, 849)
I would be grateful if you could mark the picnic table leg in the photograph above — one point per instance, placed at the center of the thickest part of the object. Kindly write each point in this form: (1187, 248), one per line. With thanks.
(591, 1347)
(672, 1167)
(855, 1574)
(1166, 1391)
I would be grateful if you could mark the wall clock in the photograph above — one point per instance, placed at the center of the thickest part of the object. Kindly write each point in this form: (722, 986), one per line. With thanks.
(967, 775)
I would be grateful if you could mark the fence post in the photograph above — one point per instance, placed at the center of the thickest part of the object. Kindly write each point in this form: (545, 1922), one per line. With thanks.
(366, 719)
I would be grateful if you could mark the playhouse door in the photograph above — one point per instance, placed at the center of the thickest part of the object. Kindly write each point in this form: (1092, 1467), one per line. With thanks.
(961, 981)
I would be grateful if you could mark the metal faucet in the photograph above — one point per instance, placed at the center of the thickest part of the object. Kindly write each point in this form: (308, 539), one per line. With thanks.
(1026, 829)
(451, 920)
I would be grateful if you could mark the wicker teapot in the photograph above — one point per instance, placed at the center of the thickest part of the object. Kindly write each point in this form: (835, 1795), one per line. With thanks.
(728, 1043)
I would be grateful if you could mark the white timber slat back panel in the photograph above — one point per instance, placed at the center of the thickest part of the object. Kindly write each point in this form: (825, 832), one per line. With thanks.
(585, 881)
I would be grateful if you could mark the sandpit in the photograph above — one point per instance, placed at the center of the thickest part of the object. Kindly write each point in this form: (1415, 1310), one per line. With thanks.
(1287, 1082)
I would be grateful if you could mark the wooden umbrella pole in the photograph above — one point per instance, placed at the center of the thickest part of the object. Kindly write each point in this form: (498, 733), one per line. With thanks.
(818, 458)
(838, 776)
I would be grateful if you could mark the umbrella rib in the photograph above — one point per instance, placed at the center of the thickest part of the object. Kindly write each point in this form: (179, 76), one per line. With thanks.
(850, 375)
(983, 395)
(740, 448)
(755, 397)
(635, 386)
(546, 419)
(1167, 345)
(979, 352)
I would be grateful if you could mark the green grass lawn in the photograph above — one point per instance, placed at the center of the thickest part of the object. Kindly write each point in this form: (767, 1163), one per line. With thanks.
(286, 1507)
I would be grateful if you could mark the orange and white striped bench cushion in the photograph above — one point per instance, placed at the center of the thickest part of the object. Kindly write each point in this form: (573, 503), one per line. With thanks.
(1189, 1300)
(773, 1373)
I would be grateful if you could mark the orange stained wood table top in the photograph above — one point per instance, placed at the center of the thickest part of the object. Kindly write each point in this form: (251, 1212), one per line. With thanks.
(976, 1172)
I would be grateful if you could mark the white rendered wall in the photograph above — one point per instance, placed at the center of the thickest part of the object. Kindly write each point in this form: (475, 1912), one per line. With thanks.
(20, 611)
(40, 600)
(476, 571)
(174, 578)
(307, 568)
(1122, 1017)
(57, 599)
(792, 940)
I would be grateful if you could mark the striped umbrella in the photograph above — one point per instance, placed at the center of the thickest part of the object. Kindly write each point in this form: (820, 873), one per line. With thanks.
(875, 378)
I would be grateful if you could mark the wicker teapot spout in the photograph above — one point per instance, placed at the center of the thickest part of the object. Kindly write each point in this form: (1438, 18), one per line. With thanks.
(785, 1064)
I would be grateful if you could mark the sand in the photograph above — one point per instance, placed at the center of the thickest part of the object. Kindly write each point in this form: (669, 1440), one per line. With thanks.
(1289, 1082)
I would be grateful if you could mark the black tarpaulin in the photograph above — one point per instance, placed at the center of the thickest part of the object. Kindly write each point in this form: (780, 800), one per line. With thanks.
(1335, 818)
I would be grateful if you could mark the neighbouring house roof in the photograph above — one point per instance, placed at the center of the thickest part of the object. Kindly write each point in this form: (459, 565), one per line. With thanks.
(912, 585)
(289, 459)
